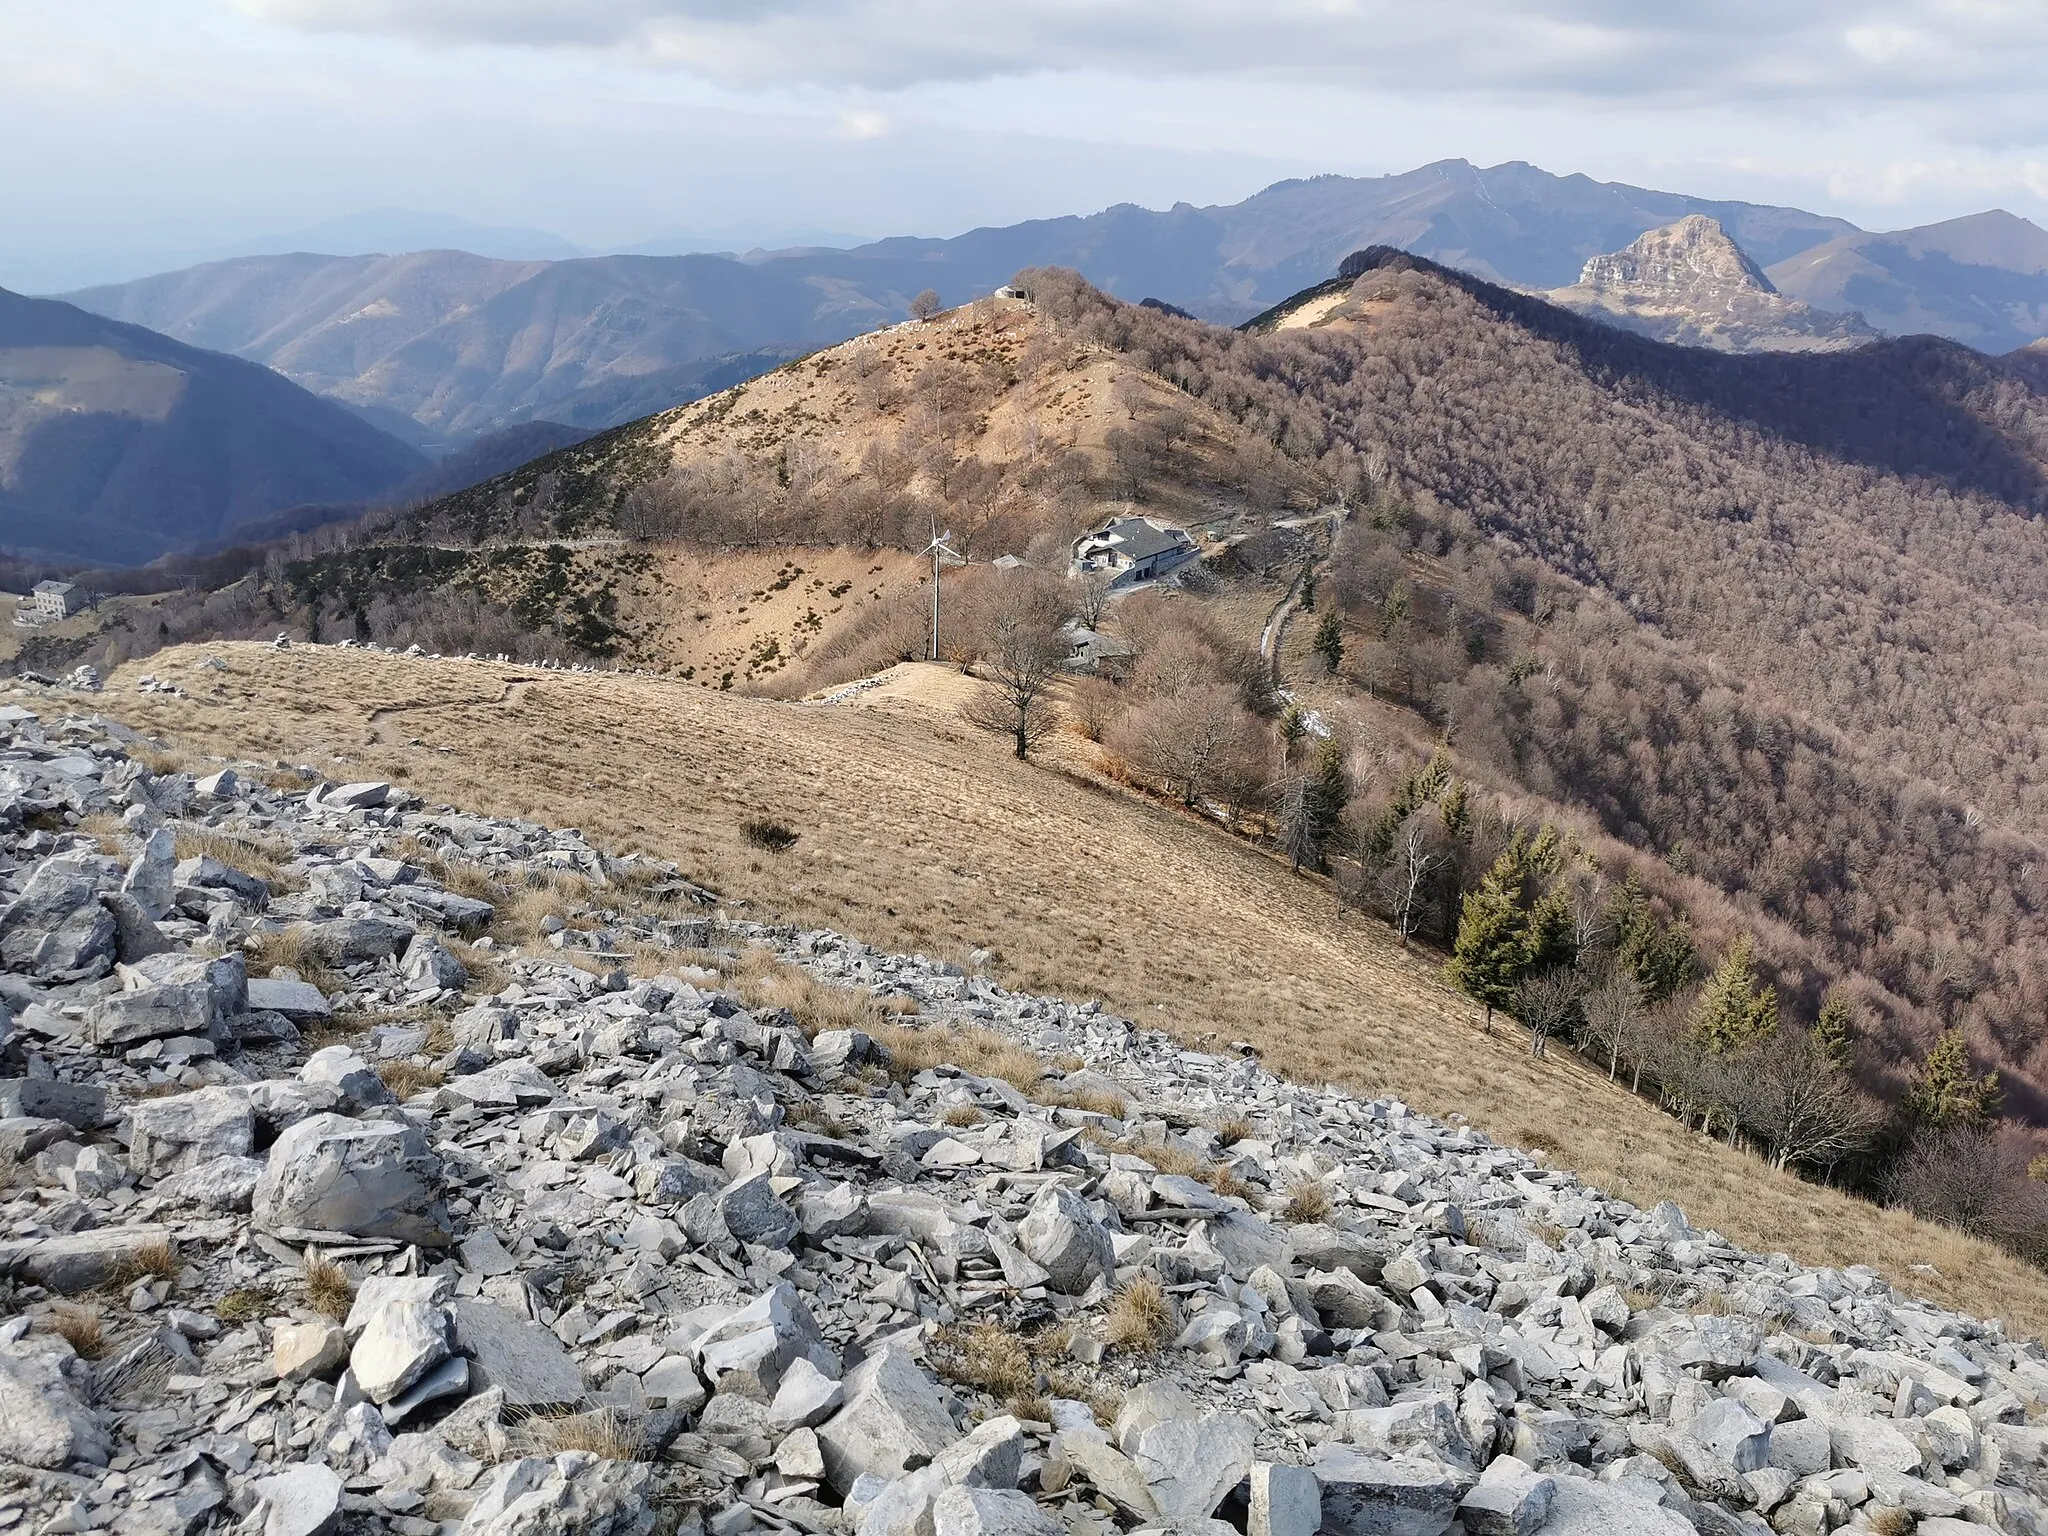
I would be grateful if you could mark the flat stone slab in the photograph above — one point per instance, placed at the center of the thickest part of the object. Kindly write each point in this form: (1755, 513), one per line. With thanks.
(522, 1359)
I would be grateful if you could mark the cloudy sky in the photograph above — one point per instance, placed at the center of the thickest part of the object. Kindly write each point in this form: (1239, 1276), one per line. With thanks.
(137, 135)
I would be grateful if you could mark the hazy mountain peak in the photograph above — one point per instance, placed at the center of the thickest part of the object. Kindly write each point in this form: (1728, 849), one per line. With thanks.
(1689, 282)
(1687, 261)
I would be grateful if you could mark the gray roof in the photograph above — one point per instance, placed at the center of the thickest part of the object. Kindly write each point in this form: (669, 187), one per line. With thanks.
(54, 588)
(1137, 539)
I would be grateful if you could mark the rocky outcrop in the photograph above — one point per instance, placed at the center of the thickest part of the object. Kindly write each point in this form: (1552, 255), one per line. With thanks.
(1689, 283)
(562, 1245)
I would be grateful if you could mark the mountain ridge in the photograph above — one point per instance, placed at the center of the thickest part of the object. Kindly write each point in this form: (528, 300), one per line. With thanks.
(119, 444)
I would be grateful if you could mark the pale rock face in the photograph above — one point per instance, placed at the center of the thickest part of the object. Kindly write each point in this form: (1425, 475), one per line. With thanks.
(1690, 283)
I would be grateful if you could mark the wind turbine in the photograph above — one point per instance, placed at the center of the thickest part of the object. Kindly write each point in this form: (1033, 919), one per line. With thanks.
(938, 548)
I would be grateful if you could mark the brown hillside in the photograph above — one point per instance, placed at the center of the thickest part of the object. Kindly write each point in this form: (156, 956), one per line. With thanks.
(918, 833)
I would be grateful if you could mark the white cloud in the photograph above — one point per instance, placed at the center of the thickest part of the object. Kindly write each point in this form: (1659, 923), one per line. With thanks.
(863, 125)
(1552, 49)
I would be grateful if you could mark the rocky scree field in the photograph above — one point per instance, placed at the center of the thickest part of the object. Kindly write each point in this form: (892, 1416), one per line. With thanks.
(327, 1217)
(920, 834)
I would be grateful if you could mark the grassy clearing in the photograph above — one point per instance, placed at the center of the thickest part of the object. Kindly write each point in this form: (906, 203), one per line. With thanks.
(922, 834)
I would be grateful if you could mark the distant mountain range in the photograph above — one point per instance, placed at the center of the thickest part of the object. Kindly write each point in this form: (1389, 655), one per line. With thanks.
(444, 346)
(118, 444)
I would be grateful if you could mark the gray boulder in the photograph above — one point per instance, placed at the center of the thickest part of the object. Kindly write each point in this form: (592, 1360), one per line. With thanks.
(150, 881)
(574, 1494)
(43, 1423)
(989, 1512)
(1060, 1233)
(81, 1105)
(522, 1359)
(757, 1343)
(893, 1412)
(57, 929)
(329, 1174)
(304, 1500)
(175, 1134)
(428, 963)
(1367, 1495)
(401, 1342)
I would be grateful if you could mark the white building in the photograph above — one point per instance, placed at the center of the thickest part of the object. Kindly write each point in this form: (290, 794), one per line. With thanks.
(49, 602)
(1133, 549)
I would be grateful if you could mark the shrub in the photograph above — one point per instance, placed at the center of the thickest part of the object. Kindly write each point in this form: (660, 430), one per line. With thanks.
(769, 836)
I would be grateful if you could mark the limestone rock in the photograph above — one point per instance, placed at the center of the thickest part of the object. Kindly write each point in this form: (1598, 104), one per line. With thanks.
(1061, 1234)
(522, 1359)
(893, 1412)
(330, 1174)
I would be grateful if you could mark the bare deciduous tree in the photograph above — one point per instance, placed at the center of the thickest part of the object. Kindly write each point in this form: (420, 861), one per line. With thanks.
(1410, 876)
(1800, 1105)
(1547, 1003)
(925, 305)
(1090, 596)
(1019, 658)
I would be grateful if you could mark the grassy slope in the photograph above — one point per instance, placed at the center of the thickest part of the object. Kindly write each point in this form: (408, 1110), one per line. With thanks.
(918, 833)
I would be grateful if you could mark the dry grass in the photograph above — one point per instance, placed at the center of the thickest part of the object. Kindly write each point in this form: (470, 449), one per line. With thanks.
(292, 948)
(970, 1047)
(154, 1261)
(961, 1116)
(107, 832)
(1232, 1129)
(265, 860)
(80, 1327)
(243, 1305)
(765, 982)
(1140, 1317)
(920, 834)
(406, 1078)
(604, 1433)
(1307, 1200)
(1892, 1521)
(329, 1290)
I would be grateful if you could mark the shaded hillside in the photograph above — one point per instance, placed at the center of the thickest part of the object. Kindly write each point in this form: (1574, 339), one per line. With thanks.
(117, 444)
(1981, 280)
(1843, 552)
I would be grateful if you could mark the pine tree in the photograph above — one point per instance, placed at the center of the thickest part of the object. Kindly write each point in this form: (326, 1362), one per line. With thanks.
(1947, 1094)
(1551, 943)
(1455, 808)
(1734, 1009)
(1493, 933)
(1834, 1032)
(1329, 641)
(1658, 955)
(1328, 792)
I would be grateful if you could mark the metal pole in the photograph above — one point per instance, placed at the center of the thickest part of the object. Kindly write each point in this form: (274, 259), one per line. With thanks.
(935, 595)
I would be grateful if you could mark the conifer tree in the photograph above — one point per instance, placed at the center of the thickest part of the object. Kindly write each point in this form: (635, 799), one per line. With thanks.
(1947, 1094)
(1329, 641)
(1834, 1032)
(1551, 942)
(1493, 930)
(1734, 1009)
(1328, 792)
